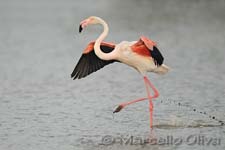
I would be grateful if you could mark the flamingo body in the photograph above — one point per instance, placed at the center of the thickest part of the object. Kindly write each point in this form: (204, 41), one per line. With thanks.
(135, 54)
(138, 55)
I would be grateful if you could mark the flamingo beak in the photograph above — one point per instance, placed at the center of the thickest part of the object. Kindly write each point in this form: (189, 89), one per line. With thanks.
(83, 24)
(80, 28)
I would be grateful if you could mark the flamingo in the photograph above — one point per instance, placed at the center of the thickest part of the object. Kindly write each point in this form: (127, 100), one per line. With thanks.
(143, 55)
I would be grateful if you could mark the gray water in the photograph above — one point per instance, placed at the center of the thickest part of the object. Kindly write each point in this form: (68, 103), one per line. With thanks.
(42, 108)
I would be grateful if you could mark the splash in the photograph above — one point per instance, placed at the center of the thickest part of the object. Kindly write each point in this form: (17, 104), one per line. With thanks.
(194, 109)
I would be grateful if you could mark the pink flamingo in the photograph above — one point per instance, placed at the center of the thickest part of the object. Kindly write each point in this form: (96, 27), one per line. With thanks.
(142, 55)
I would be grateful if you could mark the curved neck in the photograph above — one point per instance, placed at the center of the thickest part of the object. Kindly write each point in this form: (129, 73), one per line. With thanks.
(97, 49)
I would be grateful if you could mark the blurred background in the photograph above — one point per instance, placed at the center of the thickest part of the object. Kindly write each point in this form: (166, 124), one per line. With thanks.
(41, 107)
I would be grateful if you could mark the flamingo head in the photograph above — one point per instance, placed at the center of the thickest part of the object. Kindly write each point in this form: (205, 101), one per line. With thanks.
(88, 21)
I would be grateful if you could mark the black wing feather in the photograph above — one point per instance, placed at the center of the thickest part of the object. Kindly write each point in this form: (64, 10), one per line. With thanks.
(89, 63)
(157, 56)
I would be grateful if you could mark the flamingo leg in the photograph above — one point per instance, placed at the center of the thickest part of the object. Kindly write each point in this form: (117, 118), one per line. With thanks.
(156, 93)
(150, 102)
(148, 85)
(124, 104)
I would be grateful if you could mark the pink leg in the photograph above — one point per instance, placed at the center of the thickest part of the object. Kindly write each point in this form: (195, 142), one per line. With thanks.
(150, 102)
(148, 85)
(122, 105)
(156, 93)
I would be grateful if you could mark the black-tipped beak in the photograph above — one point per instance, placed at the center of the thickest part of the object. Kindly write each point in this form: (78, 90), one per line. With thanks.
(80, 29)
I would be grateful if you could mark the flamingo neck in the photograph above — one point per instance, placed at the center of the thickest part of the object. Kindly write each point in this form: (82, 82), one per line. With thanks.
(97, 49)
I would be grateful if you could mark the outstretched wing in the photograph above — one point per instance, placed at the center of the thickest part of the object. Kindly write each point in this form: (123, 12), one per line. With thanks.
(147, 47)
(89, 61)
